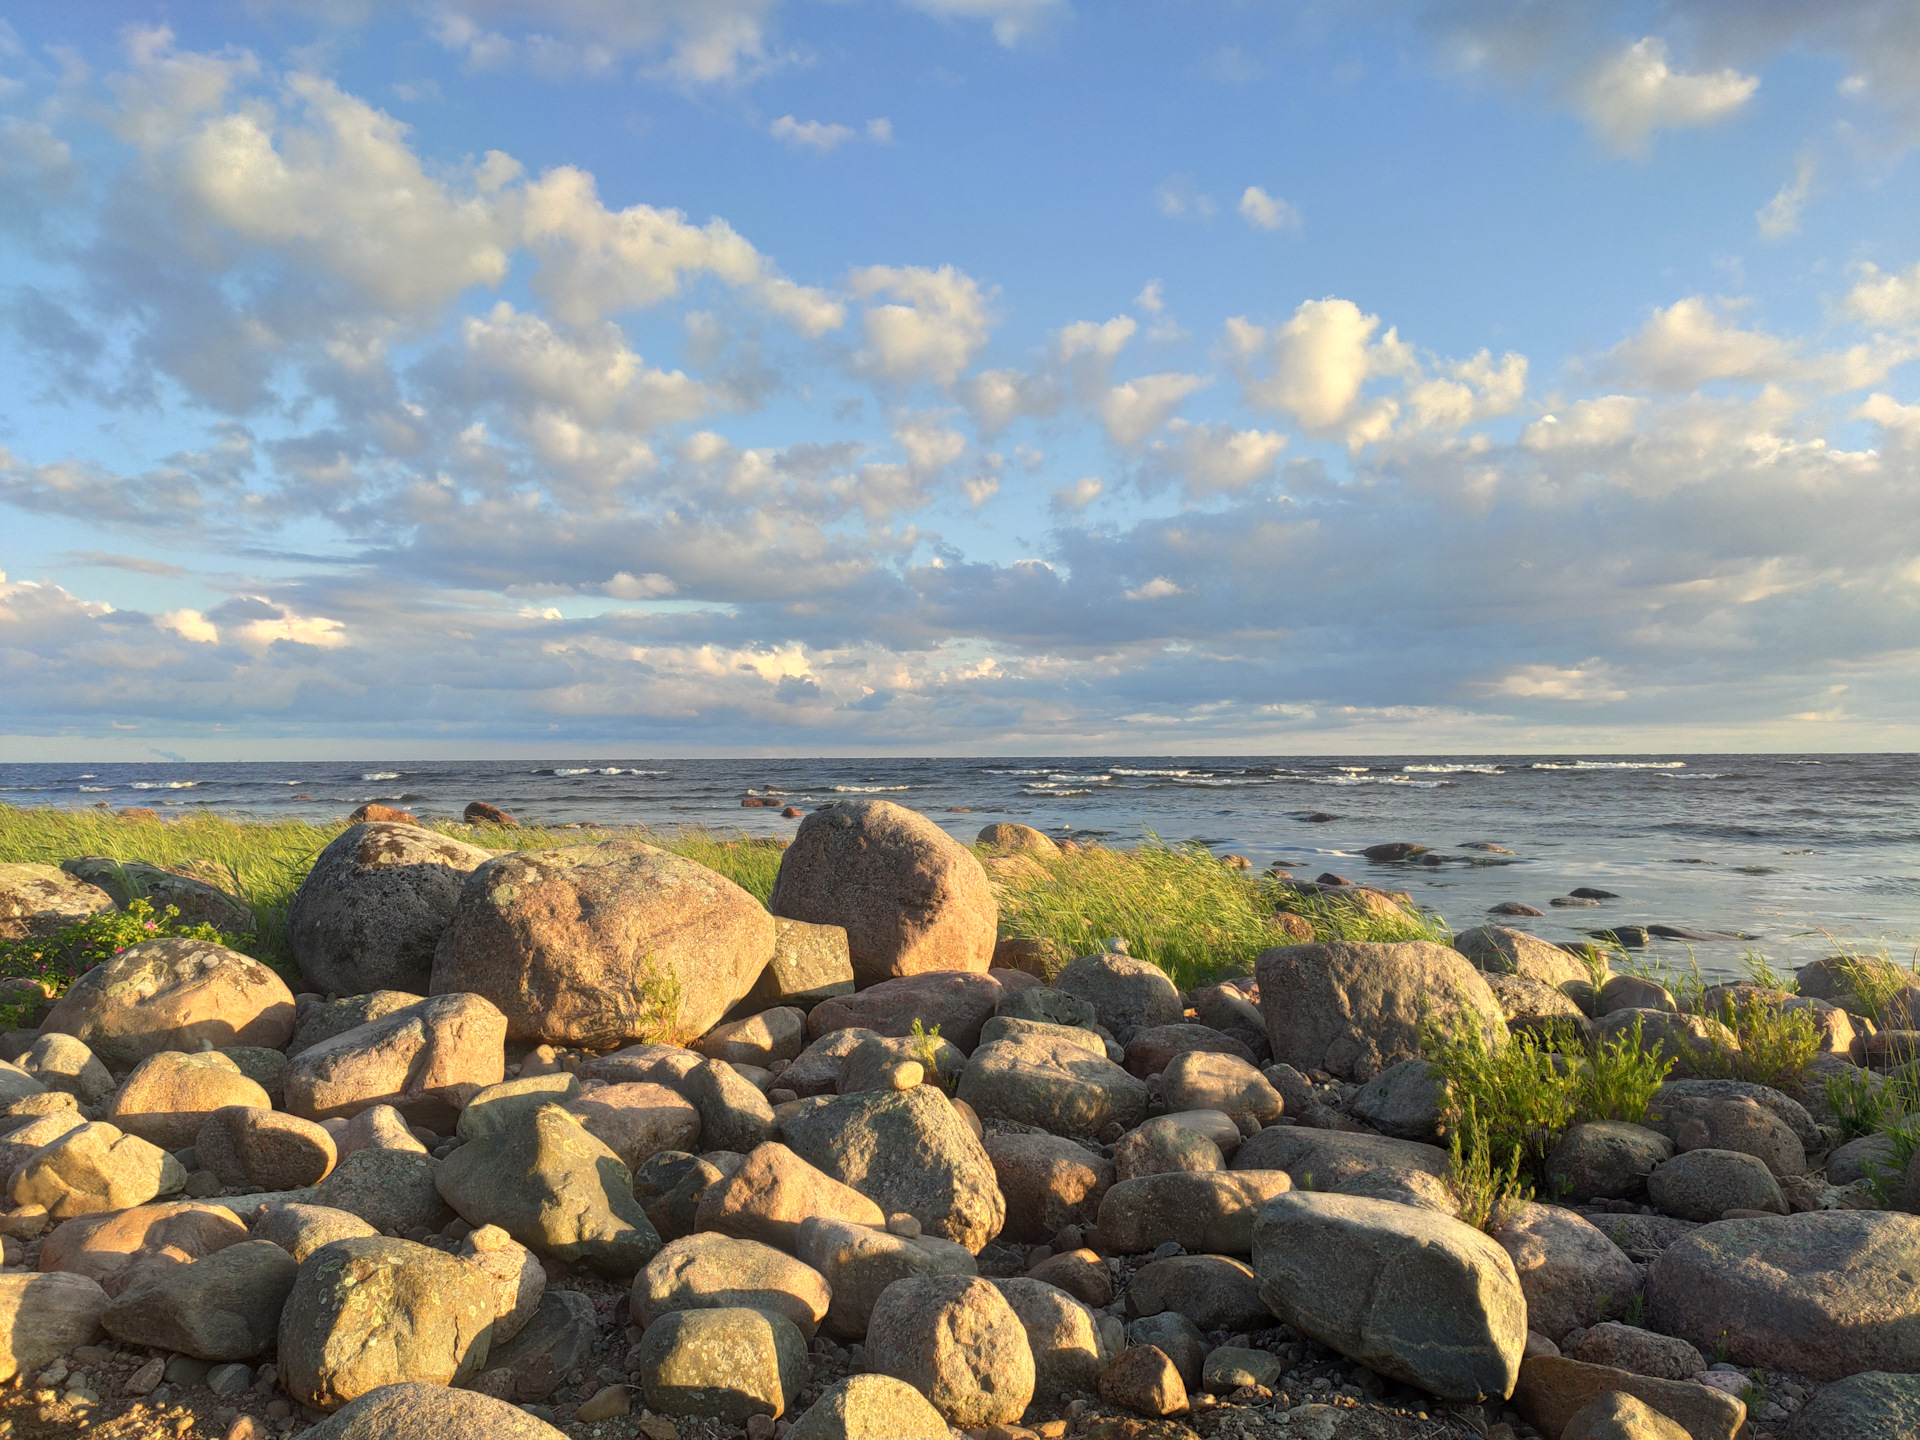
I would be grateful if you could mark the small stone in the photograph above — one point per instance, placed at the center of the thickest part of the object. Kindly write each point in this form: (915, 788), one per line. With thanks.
(902, 1224)
(606, 1403)
(1144, 1380)
(229, 1379)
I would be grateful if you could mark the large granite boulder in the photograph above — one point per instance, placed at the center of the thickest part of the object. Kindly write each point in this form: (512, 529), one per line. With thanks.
(596, 945)
(1376, 1166)
(1049, 1182)
(1126, 994)
(1053, 1081)
(859, 1262)
(909, 896)
(1065, 1336)
(710, 1271)
(1872, 1403)
(432, 1315)
(118, 1248)
(906, 1150)
(1215, 1292)
(556, 1189)
(957, 1341)
(1606, 1160)
(415, 1408)
(810, 963)
(37, 900)
(1411, 1294)
(94, 1168)
(955, 1002)
(1824, 1294)
(1502, 950)
(374, 906)
(1208, 1213)
(1355, 1009)
(169, 1096)
(726, 1364)
(868, 1407)
(773, 1192)
(224, 1307)
(1553, 1389)
(42, 1317)
(426, 1060)
(1571, 1274)
(198, 902)
(174, 994)
(266, 1149)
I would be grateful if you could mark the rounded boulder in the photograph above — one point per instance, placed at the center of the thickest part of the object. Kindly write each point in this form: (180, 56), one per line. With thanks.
(959, 1343)
(174, 994)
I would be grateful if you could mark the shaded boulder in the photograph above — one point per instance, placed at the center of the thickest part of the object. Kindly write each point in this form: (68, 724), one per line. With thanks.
(374, 906)
(414, 1408)
(1215, 1292)
(1705, 1184)
(906, 1150)
(301, 1229)
(638, 1121)
(810, 963)
(778, 1033)
(958, 1003)
(910, 897)
(1606, 1160)
(198, 902)
(1692, 1042)
(37, 900)
(1176, 1337)
(868, 1407)
(1375, 1166)
(1632, 1347)
(1054, 1082)
(1682, 1094)
(957, 1341)
(94, 1168)
(63, 1063)
(173, 994)
(1553, 1389)
(169, 1096)
(1207, 1213)
(1820, 1294)
(1405, 1101)
(1873, 1403)
(874, 1063)
(596, 945)
(1222, 1082)
(1049, 1182)
(555, 1189)
(224, 1307)
(42, 1317)
(1165, 1145)
(121, 1247)
(729, 1364)
(1571, 1274)
(433, 1315)
(1503, 950)
(392, 1190)
(1355, 1009)
(859, 1262)
(1006, 838)
(1151, 1050)
(500, 1108)
(710, 1271)
(426, 1060)
(773, 1192)
(557, 1338)
(244, 1145)
(1618, 1416)
(1411, 1294)
(1126, 994)
(323, 1019)
(734, 1114)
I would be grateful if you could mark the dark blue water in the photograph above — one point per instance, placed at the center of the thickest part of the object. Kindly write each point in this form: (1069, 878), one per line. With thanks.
(1797, 851)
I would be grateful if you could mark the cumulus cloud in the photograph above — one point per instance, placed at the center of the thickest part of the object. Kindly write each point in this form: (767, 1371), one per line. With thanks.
(694, 41)
(1780, 216)
(1885, 299)
(935, 324)
(1158, 588)
(1080, 494)
(1267, 212)
(1636, 92)
(1134, 410)
(823, 136)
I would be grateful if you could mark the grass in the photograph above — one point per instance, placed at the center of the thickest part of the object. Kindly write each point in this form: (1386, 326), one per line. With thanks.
(1618, 1078)
(1775, 1044)
(1485, 1192)
(1180, 908)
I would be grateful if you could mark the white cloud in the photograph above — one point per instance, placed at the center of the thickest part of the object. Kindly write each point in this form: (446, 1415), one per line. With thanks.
(1635, 92)
(1688, 344)
(822, 136)
(1885, 299)
(1267, 212)
(1179, 198)
(1780, 216)
(1133, 411)
(935, 326)
(1217, 459)
(1013, 21)
(697, 41)
(653, 586)
(979, 489)
(187, 624)
(1150, 299)
(1589, 682)
(1320, 360)
(1470, 390)
(1079, 495)
(1588, 424)
(1158, 588)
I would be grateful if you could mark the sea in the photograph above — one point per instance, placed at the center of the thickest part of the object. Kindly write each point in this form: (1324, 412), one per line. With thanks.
(1779, 858)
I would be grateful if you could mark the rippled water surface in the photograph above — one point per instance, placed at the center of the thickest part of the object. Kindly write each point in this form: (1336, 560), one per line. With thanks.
(1790, 850)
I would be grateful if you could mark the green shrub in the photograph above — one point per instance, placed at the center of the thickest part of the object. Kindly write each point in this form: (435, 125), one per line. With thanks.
(1616, 1079)
(1519, 1096)
(55, 961)
(1776, 1044)
(1486, 1192)
(1876, 980)
(1863, 1104)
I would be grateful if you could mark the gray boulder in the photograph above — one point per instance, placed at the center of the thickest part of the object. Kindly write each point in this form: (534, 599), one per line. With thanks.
(198, 902)
(323, 1019)
(1873, 1403)
(1209, 1213)
(223, 1307)
(43, 1316)
(727, 1364)
(1196, 1081)
(1126, 994)
(1571, 1274)
(1605, 1160)
(1506, 951)
(1375, 1166)
(1705, 1184)
(1054, 1084)
(1213, 1291)
(60, 1062)
(1632, 1347)
(858, 1262)
(810, 963)
(392, 1190)
(1404, 1101)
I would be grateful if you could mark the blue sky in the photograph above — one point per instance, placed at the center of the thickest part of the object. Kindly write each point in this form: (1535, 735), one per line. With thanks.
(686, 376)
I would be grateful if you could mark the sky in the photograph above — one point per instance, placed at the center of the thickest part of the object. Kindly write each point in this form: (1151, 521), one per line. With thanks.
(623, 377)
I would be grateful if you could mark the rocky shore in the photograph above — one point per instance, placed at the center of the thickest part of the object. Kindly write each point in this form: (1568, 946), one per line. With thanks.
(588, 1140)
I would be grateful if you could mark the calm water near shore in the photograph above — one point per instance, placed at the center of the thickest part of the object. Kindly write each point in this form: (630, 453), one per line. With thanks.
(1790, 850)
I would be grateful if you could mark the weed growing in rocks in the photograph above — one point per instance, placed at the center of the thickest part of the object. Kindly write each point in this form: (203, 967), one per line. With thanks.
(1618, 1077)
(55, 961)
(1516, 1099)
(1485, 1192)
(1776, 1044)
(1863, 1104)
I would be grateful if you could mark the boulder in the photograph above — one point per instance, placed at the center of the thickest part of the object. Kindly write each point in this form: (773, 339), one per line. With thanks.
(779, 1033)
(374, 906)
(1205, 1213)
(1860, 1159)
(1006, 838)
(595, 945)
(868, 1407)
(1873, 1403)
(1142, 1379)
(670, 1187)
(810, 963)
(1176, 1337)
(1149, 1051)
(1634, 992)
(117, 1248)
(1213, 1291)
(20, 1143)
(817, 1071)
(906, 1150)
(169, 1096)
(858, 1262)
(402, 1412)
(1705, 1184)
(1553, 1389)
(1571, 1274)
(1053, 1083)
(1081, 1273)
(1374, 1166)
(875, 1061)
(37, 900)
(1631, 1347)
(1529, 1005)
(94, 1168)
(1165, 1145)
(379, 1127)
(433, 1315)
(1692, 1042)
(1733, 1122)
(173, 994)
(1819, 1294)
(954, 1002)
(266, 1068)
(772, 1192)
(426, 1060)
(957, 1341)
(519, 1279)
(63, 1063)
(1355, 1009)
(1227, 1083)
(42, 1317)
(637, 1121)
(555, 1189)
(1618, 1416)
(727, 1364)
(16, 1084)
(224, 1307)
(734, 1114)
(1012, 1027)
(1126, 994)
(323, 1019)
(1783, 1107)
(910, 898)
(392, 1190)
(244, 1145)
(1405, 1101)
(556, 1339)
(1413, 1295)
(1048, 1182)
(1606, 1160)
(198, 902)
(1502, 950)
(500, 1108)
(709, 1271)
(302, 1229)
(1047, 1005)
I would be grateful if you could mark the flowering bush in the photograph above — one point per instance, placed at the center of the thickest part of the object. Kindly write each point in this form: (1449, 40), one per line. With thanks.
(53, 962)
